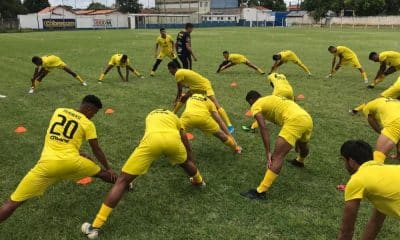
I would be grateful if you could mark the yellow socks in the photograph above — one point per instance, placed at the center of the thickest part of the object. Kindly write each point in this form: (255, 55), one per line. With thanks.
(79, 78)
(304, 67)
(300, 159)
(36, 84)
(177, 107)
(378, 80)
(102, 216)
(254, 125)
(260, 70)
(379, 156)
(360, 108)
(137, 73)
(224, 116)
(230, 143)
(269, 178)
(197, 178)
(101, 77)
(364, 75)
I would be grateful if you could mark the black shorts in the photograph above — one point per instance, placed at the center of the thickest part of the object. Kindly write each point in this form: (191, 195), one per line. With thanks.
(186, 60)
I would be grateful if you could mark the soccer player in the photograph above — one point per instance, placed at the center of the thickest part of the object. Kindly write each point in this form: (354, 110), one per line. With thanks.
(287, 56)
(369, 180)
(163, 136)
(120, 61)
(297, 127)
(201, 113)
(44, 65)
(184, 47)
(166, 45)
(390, 63)
(232, 59)
(61, 157)
(196, 84)
(346, 57)
(383, 116)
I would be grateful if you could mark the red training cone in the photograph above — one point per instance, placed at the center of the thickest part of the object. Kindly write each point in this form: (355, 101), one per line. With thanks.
(248, 114)
(85, 181)
(300, 97)
(190, 136)
(20, 129)
(109, 111)
(233, 84)
(341, 187)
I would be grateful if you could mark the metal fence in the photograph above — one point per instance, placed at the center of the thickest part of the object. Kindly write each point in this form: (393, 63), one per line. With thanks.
(9, 24)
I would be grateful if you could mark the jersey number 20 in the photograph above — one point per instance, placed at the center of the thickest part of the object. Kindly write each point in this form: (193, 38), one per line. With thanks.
(70, 127)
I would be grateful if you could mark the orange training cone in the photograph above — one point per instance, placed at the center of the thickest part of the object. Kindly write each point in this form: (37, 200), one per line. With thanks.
(300, 97)
(234, 84)
(190, 136)
(109, 111)
(85, 181)
(20, 129)
(248, 114)
(341, 187)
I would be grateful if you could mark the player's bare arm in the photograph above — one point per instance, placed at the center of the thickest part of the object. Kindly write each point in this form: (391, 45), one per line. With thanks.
(179, 92)
(120, 73)
(374, 123)
(98, 152)
(127, 73)
(374, 225)
(189, 48)
(381, 70)
(264, 134)
(156, 51)
(349, 219)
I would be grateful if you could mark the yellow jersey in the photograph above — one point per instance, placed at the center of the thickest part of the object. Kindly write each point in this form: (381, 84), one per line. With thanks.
(379, 184)
(52, 61)
(236, 58)
(67, 130)
(345, 52)
(192, 80)
(161, 120)
(116, 60)
(391, 58)
(286, 55)
(199, 105)
(166, 44)
(280, 83)
(384, 110)
(277, 109)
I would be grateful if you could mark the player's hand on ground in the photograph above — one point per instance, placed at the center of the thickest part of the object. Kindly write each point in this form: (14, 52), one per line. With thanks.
(195, 59)
(113, 175)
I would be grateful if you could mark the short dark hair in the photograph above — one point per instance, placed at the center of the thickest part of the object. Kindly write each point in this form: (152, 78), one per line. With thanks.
(124, 57)
(173, 65)
(372, 54)
(276, 57)
(36, 60)
(93, 100)
(252, 95)
(331, 48)
(188, 25)
(358, 150)
(225, 52)
(162, 29)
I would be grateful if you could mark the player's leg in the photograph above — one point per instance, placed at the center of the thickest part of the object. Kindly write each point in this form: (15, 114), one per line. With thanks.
(8, 208)
(302, 148)
(184, 61)
(108, 68)
(384, 145)
(189, 60)
(357, 109)
(134, 71)
(363, 74)
(228, 141)
(221, 112)
(73, 74)
(175, 60)
(159, 59)
(251, 65)
(84, 166)
(38, 78)
(298, 62)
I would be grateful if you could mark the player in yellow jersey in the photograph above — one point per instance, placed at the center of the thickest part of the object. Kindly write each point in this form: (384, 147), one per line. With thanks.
(232, 59)
(163, 136)
(296, 128)
(370, 180)
(119, 61)
(346, 57)
(201, 113)
(196, 84)
(61, 158)
(166, 45)
(384, 117)
(44, 65)
(287, 56)
(390, 63)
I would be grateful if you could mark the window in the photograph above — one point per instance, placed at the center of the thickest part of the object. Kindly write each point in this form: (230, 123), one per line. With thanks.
(229, 18)
(205, 4)
(209, 18)
(201, 4)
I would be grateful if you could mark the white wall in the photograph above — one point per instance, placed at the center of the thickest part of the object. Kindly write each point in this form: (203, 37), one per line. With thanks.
(363, 21)
(253, 14)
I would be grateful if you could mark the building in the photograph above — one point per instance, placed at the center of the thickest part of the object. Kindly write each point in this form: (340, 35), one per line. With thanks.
(183, 6)
(215, 4)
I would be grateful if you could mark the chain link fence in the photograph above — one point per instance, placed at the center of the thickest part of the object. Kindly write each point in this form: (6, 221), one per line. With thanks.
(9, 24)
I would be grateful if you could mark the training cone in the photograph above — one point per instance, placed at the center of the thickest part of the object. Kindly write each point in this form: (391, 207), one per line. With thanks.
(2, 96)
(109, 111)
(341, 187)
(233, 84)
(84, 181)
(190, 136)
(20, 129)
(248, 114)
(300, 97)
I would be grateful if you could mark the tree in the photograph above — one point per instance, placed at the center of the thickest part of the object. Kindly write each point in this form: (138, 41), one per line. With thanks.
(318, 8)
(96, 6)
(366, 7)
(392, 7)
(131, 6)
(11, 8)
(35, 5)
(274, 5)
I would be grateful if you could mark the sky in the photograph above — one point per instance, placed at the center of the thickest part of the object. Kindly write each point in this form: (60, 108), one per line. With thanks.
(85, 3)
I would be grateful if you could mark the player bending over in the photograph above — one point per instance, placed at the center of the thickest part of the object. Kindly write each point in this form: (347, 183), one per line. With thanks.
(346, 57)
(166, 45)
(61, 157)
(120, 61)
(196, 84)
(201, 113)
(163, 136)
(390, 63)
(184, 47)
(297, 127)
(232, 59)
(369, 180)
(287, 56)
(384, 117)
(44, 65)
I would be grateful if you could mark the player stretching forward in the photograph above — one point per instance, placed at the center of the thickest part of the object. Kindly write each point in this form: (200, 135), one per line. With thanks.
(166, 45)
(44, 65)
(297, 126)
(184, 47)
(232, 59)
(163, 136)
(369, 180)
(61, 158)
(390, 63)
(384, 117)
(287, 56)
(120, 61)
(196, 84)
(202, 114)
(346, 57)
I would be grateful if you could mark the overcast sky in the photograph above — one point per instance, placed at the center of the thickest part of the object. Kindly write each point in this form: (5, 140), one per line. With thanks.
(85, 3)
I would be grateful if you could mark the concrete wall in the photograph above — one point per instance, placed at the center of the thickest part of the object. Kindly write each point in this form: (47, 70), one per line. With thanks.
(305, 20)
(253, 14)
(224, 3)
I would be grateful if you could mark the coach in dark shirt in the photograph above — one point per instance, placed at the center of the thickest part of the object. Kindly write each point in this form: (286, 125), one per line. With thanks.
(184, 47)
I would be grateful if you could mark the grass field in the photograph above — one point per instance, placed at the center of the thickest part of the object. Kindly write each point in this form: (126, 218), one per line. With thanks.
(302, 204)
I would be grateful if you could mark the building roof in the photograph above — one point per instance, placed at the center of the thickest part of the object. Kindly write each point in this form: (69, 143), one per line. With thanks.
(96, 12)
(294, 7)
(51, 9)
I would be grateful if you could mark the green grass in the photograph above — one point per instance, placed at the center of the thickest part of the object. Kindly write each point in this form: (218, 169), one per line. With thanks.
(302, 204)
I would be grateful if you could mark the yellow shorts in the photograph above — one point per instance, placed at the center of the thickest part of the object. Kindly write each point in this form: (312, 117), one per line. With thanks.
(152, 147)
(240, 61)
(392, 92)
(299, 129)
(206, 124)
(286, 92)
(392, 131)
(47, 172)
(209, 91)
(354, 62)
(162, 55)
(56, 64)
